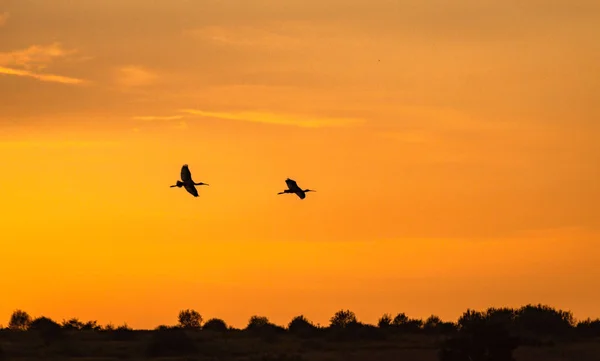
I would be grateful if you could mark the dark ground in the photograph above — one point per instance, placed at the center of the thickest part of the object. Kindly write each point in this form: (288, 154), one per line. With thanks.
(241, 345)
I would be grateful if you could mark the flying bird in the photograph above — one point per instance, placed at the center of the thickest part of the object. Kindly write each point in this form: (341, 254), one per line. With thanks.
(294, 188)
(188, 183)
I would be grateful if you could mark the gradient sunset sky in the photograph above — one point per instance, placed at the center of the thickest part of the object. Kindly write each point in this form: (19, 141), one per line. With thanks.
(454, 147)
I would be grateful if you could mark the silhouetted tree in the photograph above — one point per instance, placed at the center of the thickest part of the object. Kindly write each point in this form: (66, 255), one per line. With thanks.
(385, 321)
(256, 322)
(301, 326)
(543, 319)
(400, 319)
(19, 320)
(504, 316)
(72, 324)
(342, 319)
(470, 319)
(589, 328)
(432, 324)
(92, 326)
(123, 333)
(190, 319)
(215, 324)
(47, 329)
(109, 327)
(170, 342)
(403, 323)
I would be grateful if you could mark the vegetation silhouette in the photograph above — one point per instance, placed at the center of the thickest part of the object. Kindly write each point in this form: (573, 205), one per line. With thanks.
(533, 331)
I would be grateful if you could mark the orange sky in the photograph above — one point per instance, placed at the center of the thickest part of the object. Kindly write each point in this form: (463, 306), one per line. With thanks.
(455, 150)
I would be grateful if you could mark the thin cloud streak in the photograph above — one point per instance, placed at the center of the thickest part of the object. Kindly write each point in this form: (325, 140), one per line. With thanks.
(158, 117)
(278, 119)
(134, 76)
(42, 77)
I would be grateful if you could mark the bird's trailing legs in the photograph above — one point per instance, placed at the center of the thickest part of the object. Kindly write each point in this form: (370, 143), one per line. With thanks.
(179, 184)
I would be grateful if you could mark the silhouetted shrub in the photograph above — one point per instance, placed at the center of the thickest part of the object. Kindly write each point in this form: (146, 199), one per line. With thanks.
(123, 333)
(216, 325)
(170, 342)
(385, 321)
(257, 322)
(503, 316)
(260, 326)
(72, 324)
(19, 320)
(342, 319)
(190, 319)
(404, 324)
(588, 328)
(541, 319)
(91, 326)
(301, 326)
(432, 324)
(470, 319)
(47, 329)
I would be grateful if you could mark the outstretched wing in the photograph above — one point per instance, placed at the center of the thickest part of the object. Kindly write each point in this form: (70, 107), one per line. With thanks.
(291, 183)
(186, 175)
(191, 189)
(301, 194)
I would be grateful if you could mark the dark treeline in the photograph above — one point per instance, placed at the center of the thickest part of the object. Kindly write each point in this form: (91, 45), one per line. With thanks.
(495, 331)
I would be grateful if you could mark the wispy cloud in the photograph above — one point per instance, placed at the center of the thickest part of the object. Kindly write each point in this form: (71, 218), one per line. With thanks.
(4, 18)
(134, 76)
(279, 119)
(43, 77)
(243, 36)
(158, 117)
(35, 57)
(29, 62)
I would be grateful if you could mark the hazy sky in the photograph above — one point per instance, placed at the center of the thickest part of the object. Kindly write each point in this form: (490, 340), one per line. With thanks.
(454, 147)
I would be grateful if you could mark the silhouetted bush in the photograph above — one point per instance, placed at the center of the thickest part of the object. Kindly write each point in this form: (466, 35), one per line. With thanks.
(257, 322)
(190, 319)
(260, 326)
(72, 324)
(47, 329)
(216, 325)
(385, 321)
(302, 327)
(123, 333)
(470, 319)
(19, 320)
(541, 319)
(342, 319)
(91, 326)
(588, 328)
(404, 324)
(170, 342)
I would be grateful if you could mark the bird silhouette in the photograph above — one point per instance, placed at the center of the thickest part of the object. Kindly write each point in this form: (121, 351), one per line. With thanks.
(187, 182)
(294, 188)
